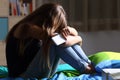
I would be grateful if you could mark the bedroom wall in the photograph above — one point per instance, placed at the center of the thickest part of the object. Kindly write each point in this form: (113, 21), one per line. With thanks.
(94, 42)
(2, 54)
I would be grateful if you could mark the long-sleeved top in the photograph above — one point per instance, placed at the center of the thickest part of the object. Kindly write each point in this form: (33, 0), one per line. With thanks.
(17, 64)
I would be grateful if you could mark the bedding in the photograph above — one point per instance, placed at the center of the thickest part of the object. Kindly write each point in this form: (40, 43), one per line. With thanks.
(101, 60)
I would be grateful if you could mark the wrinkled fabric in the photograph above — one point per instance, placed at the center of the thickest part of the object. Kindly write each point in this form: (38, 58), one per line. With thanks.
(62, 76)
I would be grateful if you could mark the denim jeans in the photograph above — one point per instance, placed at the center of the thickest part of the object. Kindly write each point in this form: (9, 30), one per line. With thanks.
(73, 55)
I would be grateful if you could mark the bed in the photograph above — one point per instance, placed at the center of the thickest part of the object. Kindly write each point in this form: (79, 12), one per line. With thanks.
(101, 47)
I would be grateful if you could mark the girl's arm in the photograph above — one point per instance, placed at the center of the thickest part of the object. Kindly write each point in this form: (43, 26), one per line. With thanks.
(71, 36)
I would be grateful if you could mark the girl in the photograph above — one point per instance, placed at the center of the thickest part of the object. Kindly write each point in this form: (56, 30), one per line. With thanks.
(30, 51)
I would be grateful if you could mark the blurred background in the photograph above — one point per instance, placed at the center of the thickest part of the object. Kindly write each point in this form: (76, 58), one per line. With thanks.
(90, 15)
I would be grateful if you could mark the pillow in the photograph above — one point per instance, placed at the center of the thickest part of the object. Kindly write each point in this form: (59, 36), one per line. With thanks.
(105, 55)
(95, 58)
(107, 64)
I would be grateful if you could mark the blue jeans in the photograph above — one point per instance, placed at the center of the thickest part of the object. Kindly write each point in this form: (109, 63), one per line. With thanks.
(73, 55)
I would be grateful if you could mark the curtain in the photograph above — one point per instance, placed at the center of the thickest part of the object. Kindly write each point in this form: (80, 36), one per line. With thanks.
(91, 15)
(101, 15)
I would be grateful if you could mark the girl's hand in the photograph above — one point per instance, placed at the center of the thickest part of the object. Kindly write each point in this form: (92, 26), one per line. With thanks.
(73, 31)
(71, 36)
(69, 31)
(65, 32)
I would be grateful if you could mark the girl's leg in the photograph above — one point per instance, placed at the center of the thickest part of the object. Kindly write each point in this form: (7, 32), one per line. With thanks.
(90, 68)
(79, 51)
(69, 55)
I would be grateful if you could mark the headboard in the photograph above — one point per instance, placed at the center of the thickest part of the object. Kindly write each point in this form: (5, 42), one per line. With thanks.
(100, 41)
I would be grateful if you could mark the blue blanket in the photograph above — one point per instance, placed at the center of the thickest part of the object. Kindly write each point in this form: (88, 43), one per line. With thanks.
(60, 75)
(95, 76)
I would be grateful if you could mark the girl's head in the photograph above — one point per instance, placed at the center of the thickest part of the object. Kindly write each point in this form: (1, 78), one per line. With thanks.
(51, 17)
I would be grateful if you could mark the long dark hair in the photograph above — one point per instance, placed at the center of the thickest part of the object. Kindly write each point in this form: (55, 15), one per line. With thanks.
(50, 18)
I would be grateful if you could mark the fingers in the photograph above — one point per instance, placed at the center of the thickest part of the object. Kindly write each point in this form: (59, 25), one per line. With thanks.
(65, 32)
